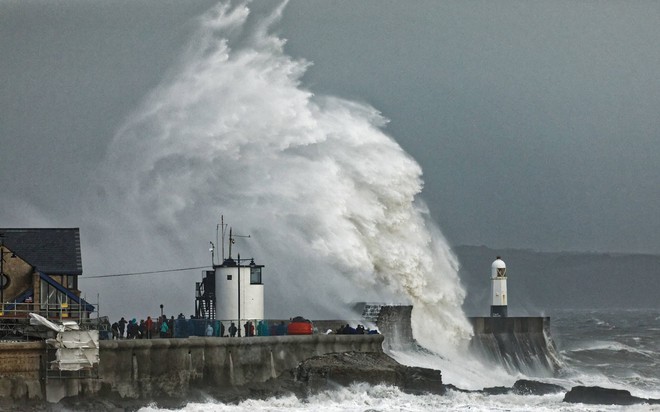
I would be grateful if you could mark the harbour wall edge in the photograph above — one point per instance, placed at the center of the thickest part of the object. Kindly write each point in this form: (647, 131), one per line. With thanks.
(168, 368)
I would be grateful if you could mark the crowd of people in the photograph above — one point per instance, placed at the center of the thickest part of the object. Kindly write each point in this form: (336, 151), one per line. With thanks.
(181, 327)
(359, 330)
(131, 329)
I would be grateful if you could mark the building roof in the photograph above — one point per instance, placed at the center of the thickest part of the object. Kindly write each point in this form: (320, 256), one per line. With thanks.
(53, 251)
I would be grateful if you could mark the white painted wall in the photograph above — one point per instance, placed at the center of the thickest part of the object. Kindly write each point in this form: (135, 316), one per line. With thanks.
(498, 279)
(226, 294)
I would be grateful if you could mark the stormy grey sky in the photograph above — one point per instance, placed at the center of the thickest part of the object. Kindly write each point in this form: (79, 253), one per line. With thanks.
(536, 123)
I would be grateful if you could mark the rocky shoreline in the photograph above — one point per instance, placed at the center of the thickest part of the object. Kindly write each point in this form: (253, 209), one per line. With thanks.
(327, 372)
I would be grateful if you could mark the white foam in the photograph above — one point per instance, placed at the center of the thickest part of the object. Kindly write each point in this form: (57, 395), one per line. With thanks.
(330, 201)
(611, 346)
(362, 397)
(465, 371)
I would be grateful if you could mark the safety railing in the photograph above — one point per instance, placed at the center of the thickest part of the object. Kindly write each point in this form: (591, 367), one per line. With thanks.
(184, 328)
(52, 311)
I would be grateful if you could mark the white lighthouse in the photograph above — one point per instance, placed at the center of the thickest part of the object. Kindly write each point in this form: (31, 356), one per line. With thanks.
(239, 291)
(498, 281)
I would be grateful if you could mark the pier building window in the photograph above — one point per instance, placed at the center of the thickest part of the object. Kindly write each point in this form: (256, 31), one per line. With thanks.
(51, 298)
(255, 276)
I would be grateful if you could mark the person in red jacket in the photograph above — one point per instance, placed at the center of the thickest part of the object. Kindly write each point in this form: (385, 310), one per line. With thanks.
(149, 326)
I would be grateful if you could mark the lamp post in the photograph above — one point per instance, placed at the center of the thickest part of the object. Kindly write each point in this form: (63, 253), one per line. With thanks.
(238, 264)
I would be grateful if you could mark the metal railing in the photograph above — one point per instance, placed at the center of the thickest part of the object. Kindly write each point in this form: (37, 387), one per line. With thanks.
(15, 319)
(185, 328)
(52, 311)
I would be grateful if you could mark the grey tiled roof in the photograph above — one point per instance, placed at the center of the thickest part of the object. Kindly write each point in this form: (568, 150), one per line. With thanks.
(51, 251)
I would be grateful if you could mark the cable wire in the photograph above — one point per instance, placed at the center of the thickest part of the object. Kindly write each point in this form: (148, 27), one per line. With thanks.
(145, 273)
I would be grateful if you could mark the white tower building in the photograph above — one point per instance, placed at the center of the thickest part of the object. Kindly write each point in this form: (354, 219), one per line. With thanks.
(239, 291)
(498, 281)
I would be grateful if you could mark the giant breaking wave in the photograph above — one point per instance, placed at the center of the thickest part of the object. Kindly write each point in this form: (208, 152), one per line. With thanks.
(329, 200)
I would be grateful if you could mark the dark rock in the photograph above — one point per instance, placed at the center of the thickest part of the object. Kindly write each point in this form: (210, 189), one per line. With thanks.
(77, 404)
(419, 380)
(521, 387)
(331, 370)
(496, 390)
(603, 396)
(450, 387)
(528, 387)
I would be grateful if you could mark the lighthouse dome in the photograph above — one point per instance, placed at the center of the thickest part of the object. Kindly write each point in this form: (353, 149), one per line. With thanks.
(498, 268)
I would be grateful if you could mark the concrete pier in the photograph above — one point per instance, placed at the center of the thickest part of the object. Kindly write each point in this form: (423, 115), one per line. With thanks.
(178, 368)
(167, 368)
(518, 343)
(495, 325)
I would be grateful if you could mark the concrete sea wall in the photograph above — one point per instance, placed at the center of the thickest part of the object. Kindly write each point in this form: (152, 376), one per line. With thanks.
(518, 343)
(179, 368)
(168, 368)
(21, 366)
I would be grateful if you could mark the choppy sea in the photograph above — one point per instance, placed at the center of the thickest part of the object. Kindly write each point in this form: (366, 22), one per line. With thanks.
(617, 349)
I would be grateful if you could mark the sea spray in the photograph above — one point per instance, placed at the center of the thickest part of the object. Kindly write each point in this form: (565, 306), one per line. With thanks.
(331, 203)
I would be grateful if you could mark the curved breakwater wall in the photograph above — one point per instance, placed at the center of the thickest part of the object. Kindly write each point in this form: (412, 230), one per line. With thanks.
(520, 344)
(168, 368)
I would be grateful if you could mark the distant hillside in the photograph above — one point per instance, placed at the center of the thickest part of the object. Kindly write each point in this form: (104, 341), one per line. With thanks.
(538, 280)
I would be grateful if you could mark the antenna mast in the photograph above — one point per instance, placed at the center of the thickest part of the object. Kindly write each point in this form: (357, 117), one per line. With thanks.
(232, 239)
(222, 225)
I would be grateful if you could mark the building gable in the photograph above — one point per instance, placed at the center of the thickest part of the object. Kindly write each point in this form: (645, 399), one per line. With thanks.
(51, 251)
